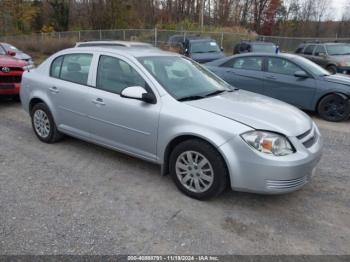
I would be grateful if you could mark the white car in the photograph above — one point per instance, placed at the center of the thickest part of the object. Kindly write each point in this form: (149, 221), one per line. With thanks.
(115, 43)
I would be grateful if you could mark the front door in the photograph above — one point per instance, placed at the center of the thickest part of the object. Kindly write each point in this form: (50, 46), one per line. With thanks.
(126, 124)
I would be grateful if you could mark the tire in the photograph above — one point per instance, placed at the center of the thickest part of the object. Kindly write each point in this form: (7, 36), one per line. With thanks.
(334, 108)
(43, 124)
(332, 69)
(198, 177)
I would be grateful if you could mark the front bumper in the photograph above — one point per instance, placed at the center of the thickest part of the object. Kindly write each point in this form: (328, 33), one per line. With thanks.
(252, 171)
(9, 89)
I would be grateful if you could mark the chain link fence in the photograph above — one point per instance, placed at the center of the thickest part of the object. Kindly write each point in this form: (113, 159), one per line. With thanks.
(160, 38)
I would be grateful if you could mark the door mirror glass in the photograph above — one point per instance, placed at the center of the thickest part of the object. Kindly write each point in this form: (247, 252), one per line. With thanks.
(139, 93)
(301, 74)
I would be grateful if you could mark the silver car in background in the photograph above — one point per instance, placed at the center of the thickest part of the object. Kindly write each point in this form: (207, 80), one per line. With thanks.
(167, 109)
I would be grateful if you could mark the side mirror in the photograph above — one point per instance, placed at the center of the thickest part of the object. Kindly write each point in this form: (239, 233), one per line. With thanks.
(11, 53)
(301, 74)
(138, 93)
(222, 49)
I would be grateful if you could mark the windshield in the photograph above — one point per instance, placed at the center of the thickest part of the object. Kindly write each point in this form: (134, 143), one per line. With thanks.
(182, 77)
(264, 48)
(311, 66)
(338, 49)
(11, 48)
(204, 47)
(2, 51)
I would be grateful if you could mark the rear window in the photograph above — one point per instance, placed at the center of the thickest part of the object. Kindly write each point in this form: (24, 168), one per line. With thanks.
(309, 50)
(299, 49)
(263, 48)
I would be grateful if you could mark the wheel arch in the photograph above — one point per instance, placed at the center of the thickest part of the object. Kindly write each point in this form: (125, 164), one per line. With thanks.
(181, 138)
(330, 93)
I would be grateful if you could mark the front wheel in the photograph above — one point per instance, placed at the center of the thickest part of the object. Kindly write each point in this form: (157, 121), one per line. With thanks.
(198, 169)
(334, 107)
(43, 124)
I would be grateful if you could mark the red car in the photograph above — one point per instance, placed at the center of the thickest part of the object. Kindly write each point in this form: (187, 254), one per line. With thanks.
(11, 70)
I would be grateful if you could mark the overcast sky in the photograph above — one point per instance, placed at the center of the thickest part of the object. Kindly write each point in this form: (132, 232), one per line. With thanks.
(339, 6)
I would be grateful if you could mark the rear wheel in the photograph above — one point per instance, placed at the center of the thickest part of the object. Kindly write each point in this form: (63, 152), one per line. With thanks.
(332, 69)
(198, 169)
(334, 108)
(43, 125)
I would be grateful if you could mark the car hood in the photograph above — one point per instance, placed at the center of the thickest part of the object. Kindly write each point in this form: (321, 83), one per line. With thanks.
(9, 61)
(22, 56)
(206, 57)
(338, 79)
(257, 111)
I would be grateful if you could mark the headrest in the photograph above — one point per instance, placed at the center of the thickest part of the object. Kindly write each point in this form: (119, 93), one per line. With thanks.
(73, 67)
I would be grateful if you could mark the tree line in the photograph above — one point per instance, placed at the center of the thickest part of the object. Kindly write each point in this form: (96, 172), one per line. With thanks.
(314, 18)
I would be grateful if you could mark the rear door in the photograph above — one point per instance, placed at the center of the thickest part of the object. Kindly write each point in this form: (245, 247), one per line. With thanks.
(243, 72)
(69, 92)
(280, 83)
(320, 57)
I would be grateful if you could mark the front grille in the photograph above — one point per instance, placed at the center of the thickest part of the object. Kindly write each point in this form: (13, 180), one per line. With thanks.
(286, 184)
(10, 79)
(17, 69)
(309, 138)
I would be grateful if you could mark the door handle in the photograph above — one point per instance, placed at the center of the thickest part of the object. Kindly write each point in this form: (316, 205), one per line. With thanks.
(98, 101)
(54, 90)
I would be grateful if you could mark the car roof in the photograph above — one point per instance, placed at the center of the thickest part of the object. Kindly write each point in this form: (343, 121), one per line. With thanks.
(258, 42)
(121, 43)
(324, 43)
(201, 39)
(122, 50)
(224, 59)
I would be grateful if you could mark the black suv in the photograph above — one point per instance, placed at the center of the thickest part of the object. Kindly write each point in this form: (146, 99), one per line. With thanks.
(255, 46)
(335, 57)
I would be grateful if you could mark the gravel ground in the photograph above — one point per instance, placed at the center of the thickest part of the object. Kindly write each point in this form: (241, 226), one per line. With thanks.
(77, 198)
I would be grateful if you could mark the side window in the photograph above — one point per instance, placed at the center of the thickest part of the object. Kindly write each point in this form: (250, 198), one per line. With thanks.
(56, 67)
(309, 50)
(113, 75)
(75, 68)
(320, 49)
(245, 63)
(282, 66)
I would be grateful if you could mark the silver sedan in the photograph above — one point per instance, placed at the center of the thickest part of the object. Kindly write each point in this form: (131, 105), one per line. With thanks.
(167, 109)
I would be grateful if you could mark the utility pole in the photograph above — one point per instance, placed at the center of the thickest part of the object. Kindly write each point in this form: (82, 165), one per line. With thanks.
(201, 16)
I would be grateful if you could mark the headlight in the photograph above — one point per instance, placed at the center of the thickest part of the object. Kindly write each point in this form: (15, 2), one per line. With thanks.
(28, 67)
(268, 142)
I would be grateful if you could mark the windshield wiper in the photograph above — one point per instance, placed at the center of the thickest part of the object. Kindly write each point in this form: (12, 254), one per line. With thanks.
(215, 93)
(189, 98)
